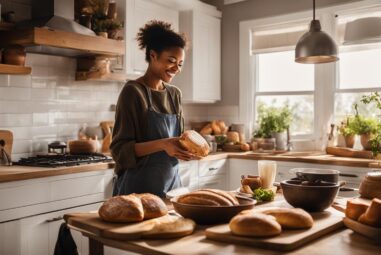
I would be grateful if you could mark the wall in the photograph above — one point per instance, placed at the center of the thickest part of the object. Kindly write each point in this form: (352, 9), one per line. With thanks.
(232, 14)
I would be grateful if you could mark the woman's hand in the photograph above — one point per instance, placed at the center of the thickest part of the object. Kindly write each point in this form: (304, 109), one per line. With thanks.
(173, 148)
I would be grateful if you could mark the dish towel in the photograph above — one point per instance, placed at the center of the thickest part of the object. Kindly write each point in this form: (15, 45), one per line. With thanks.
(65, 244)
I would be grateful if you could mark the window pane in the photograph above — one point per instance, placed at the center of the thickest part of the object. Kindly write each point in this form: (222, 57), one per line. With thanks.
(302, 108)
(277, 71)
(360, 69)
(344, 106)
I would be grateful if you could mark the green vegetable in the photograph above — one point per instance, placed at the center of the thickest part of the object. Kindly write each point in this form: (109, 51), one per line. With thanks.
(262, 195)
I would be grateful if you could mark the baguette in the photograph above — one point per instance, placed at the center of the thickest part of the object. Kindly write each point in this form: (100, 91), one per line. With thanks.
(290, 218)
(225, 194)
(204, 197)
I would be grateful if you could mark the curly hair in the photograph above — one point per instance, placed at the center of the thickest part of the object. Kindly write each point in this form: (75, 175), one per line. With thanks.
(158, 36)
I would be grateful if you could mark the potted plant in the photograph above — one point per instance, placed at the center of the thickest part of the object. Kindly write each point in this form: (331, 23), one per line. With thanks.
(273, 124)
(366, 128)
(348, 133)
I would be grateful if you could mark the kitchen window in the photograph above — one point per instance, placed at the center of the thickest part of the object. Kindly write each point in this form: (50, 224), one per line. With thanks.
(320, 94)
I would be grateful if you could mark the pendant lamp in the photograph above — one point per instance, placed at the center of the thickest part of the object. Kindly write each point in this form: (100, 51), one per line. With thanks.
(315, 46)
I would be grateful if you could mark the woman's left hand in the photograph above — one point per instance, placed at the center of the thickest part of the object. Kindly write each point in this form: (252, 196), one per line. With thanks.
(173, 148)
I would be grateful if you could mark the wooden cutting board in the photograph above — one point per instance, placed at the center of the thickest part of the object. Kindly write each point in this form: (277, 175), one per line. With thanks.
(168, 226)
(347, 152)
(324, 222)
(7, 136)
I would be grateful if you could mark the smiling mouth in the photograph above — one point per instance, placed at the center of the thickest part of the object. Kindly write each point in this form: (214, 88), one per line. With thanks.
(170, 74)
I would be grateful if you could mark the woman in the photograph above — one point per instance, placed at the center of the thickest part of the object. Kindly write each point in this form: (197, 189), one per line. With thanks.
(149, 118)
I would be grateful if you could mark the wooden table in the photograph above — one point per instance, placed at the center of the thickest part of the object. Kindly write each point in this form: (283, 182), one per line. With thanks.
(342, 241)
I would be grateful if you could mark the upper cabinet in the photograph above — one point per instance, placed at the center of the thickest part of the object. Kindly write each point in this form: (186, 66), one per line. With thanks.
(200, 78)
(138, 13)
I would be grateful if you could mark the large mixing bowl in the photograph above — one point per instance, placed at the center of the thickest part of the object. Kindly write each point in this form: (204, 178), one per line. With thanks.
(311, 196)
(316, 174)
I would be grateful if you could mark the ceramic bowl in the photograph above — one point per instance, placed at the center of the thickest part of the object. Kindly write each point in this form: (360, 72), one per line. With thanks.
(206, 215)
(312, 197)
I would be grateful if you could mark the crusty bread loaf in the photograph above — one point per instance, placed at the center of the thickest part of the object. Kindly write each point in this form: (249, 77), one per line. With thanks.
(223, 127)
(216, 127)
(122, 209)
(254, 182)
(372, 215)
(195, 143)
(170, 227)
(355, 209)
(211, 197)
(257, 225)
(225, 194)
(153, 206)
(206, 130)
(290, 218)
(132, 208)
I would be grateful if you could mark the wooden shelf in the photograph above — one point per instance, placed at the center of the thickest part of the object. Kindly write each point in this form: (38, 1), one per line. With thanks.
(84, 76)
(13, 69)
(6, 26)
(87, 45)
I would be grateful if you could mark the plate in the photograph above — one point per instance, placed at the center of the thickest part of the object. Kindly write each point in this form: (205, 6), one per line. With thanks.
(368, 231)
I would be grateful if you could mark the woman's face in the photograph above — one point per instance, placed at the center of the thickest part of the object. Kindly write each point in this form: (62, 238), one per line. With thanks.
(168, 63)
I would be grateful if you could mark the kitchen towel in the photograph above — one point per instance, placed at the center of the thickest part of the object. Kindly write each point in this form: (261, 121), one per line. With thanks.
(65, 244)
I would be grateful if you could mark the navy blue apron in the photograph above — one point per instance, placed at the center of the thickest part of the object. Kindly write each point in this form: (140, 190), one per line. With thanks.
(156, 173)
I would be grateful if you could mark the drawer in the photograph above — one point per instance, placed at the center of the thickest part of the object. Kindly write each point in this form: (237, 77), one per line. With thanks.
(212, 182)
(189, 174)
(212, 167)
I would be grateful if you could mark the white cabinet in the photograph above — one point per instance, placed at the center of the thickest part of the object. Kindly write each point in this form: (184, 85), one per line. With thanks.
(238, 167)
(188, 171)
(137, 14)
(200, 78)
(212, 174)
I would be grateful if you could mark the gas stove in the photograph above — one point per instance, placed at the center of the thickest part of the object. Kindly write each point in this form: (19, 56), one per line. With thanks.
(60, 160)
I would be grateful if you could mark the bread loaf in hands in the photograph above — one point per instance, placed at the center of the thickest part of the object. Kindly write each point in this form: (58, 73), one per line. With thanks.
(194, 143)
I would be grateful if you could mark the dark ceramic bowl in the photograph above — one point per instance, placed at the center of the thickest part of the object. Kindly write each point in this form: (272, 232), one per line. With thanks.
(316, 174)
(206, 215)
(312, 197)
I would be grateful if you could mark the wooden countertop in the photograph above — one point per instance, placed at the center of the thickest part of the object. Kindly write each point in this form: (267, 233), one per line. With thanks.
(17, 173)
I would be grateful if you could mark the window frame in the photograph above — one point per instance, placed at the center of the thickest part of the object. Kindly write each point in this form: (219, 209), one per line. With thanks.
(326, 75)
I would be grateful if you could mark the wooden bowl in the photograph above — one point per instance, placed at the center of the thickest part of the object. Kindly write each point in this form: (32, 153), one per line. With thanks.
(82, 146)
(205, 215)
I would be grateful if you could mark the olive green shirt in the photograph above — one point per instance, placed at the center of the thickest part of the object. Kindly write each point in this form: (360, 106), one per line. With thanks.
(131, 119)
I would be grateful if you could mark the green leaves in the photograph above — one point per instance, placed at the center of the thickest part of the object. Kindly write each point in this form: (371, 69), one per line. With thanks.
(273, 119)
(263, 195)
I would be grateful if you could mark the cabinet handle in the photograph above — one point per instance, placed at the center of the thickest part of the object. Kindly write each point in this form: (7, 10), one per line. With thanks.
(349, 175)
(54, 219)
(213, 168)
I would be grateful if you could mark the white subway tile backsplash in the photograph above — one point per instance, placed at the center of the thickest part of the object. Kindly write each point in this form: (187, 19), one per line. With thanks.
(4, 80)
(40, 119)
(14, 93)
(15, 120)
(22, 146)
(43, 94)
(20, 81)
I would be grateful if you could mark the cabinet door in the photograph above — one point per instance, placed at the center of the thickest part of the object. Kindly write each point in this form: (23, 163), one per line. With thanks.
(38, 234)
(238, 167)
(212, 167)
(139, 12)
(188, 171)
(213, 182)
(206, 57)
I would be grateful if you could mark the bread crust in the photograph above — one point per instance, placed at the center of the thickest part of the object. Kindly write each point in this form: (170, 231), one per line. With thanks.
(206, 197)
(194, 143)
(372, 215)
(122, 209)
(153, 206)
(290, 218)
(257, 225)
(225, 194)
(355, 209)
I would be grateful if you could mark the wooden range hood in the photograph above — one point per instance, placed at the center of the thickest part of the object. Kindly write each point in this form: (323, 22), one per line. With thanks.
(62, 43)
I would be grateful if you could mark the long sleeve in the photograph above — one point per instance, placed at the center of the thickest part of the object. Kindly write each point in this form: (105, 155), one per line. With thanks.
(126, 124)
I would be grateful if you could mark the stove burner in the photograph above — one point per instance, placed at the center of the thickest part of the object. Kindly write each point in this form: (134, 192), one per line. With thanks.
(60, 160)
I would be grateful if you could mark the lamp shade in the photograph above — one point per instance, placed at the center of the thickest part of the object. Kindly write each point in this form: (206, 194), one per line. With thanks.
(315, 46)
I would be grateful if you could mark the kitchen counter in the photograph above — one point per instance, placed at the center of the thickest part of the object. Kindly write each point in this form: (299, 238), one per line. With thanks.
(17, 173)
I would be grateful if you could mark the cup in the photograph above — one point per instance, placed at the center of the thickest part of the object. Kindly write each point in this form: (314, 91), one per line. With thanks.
(267, 172)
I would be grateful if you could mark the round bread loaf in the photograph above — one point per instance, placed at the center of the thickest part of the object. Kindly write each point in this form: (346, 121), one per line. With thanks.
(153, 206)
(257, 225)
(212, 197)
(122, 209)
(194, 143)
(216, 127)
(290, 218)
(132, 208)
(354, 209)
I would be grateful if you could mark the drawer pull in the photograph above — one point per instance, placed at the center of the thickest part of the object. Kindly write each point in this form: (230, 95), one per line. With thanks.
(213, 168)
(54, 219)
(349, 175)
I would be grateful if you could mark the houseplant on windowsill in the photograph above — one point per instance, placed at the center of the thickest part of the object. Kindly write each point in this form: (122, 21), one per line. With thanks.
(366, 128)
(273, 124)
(347, 131)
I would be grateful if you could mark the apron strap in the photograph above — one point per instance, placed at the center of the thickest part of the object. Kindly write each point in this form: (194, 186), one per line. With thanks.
(149, 96)
(175, 110)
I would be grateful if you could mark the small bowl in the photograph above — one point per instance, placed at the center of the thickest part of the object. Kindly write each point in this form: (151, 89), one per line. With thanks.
(313, 197)
(206, 215)
(316, 174)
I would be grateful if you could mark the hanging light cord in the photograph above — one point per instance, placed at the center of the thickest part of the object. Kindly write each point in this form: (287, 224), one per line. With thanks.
(313, 4)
